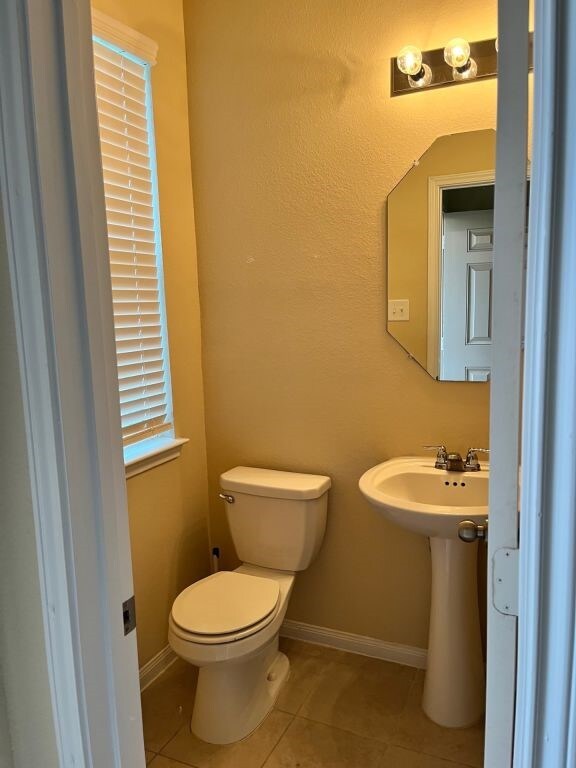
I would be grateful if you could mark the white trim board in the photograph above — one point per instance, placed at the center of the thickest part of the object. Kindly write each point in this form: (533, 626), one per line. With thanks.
(545, 727)
(125, 38)
(506, 380)
(308, 633)
(160, 450)
(360, 644)
(156, 666)
(53, 202)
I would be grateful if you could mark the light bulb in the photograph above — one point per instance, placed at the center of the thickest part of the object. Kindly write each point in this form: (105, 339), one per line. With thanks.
(409, 60)
(468, 72)
(457, 53)
(424, 79)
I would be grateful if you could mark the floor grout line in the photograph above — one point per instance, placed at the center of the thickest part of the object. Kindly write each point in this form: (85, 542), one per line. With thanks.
(173, 736)
(346, 730)
(173, 760)
(447, 759)
(269, 755)
(453, 760)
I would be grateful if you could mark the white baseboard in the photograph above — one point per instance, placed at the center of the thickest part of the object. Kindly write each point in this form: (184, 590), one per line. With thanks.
(346, 641)
(156, 666)
(308, 633)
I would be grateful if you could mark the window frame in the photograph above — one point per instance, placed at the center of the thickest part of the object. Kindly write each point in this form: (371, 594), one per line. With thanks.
(152, 450)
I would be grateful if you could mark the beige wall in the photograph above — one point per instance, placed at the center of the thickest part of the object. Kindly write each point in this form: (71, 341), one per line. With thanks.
(407, 225)
(168, 504)
(295, 147)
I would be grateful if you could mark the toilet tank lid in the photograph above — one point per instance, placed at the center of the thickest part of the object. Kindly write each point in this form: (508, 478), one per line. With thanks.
(274, 484)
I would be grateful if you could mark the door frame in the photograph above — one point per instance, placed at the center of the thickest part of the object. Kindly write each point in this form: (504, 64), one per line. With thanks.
(546, 692)
(54, 217)
(506, 381)
(57, 248)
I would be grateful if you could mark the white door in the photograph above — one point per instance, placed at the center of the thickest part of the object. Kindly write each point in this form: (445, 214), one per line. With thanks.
(466, 339)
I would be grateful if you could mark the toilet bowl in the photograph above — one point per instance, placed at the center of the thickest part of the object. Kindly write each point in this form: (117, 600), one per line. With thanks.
(228, 624)
(241, 670)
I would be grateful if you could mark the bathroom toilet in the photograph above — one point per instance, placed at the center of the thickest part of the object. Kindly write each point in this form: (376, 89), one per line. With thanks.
(228, 623)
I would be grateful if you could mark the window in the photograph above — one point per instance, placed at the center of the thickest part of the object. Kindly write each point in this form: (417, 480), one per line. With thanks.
(123, 91)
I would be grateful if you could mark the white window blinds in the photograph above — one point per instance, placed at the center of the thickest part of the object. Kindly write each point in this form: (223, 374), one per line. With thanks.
(128, 159)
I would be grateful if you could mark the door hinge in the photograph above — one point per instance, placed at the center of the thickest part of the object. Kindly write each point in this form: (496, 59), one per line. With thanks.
(505, 581)
(129, 615)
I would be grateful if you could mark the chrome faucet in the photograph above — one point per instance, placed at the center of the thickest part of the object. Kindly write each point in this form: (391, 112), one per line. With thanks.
(441, 456)
(472, 464)
(453, 462)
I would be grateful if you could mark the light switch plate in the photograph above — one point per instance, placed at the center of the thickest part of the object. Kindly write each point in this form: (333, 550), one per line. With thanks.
(399, 309)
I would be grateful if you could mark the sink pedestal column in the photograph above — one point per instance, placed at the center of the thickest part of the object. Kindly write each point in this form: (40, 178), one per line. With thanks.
(454, 688)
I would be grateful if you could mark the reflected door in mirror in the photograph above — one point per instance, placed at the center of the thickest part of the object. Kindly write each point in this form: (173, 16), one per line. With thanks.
(466, 337)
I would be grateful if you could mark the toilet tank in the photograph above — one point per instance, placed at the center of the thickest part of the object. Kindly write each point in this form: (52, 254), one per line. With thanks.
(277, 519)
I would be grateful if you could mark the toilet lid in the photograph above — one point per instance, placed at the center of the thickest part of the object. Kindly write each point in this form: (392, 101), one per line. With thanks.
(225, 602)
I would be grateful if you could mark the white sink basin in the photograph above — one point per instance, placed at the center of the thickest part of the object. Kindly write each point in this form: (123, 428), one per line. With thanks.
(413, 494)
(410, 492)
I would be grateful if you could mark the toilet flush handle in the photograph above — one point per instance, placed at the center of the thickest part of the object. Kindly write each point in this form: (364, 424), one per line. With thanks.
(227, 498)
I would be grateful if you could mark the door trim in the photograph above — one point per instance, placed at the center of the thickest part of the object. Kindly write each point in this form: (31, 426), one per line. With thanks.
(506, 382)
(546, 694)
(41, 38)
(52, 195)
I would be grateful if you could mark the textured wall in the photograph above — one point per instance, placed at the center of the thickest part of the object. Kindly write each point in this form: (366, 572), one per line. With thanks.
(295, 147)
(168, 504)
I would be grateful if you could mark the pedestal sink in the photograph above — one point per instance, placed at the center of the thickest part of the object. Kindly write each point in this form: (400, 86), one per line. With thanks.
(431, 502)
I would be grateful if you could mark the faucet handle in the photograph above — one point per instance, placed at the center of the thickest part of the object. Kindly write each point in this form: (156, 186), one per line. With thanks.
(472, 463)
(441, 455)
(440, 448)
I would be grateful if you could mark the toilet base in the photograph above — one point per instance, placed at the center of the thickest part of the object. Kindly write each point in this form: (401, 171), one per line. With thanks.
(233, 698)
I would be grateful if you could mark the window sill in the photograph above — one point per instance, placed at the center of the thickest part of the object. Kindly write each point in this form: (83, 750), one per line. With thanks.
(140, 457)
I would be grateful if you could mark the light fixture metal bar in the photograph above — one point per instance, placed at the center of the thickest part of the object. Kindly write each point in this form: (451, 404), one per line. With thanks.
(483, 52)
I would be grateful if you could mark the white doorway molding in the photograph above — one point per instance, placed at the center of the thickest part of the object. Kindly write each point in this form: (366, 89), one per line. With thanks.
(546, 693)
(53, 210)
(54, 215)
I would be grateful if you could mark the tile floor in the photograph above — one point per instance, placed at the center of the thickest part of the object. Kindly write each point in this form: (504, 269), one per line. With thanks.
(337, 710)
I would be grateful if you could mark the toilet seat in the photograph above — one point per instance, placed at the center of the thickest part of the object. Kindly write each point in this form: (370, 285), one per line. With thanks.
(224, 607)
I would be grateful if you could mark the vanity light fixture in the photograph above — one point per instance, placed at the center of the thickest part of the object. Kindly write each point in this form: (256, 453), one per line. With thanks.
(458, 62)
